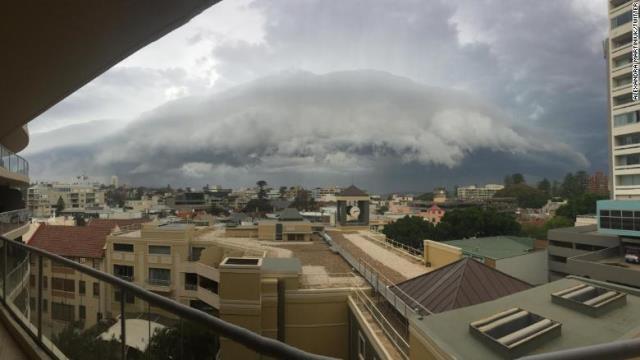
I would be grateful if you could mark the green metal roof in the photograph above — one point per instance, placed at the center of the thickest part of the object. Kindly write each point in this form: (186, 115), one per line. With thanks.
(450, 330)
(495, 247)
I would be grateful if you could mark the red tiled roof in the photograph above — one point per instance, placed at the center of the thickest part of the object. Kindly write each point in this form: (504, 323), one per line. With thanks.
(71, 241)
(78, 241)
(462, 283)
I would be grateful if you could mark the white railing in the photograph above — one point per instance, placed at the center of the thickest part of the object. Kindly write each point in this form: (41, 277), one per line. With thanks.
(392, 334)
(406, 249)
(405, 305)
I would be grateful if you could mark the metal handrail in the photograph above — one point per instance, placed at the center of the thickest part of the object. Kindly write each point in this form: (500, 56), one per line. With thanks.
(251, 340)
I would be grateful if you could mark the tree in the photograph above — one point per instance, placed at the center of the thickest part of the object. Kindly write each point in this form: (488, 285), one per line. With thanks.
(60, 205)
(456, 224)
(518, 179)
(580, 205)
(76, 343)
(526, 196)
(262, 193)
(410, 230)
(283, 191)
(186, 340)
(545, 186)
(539, 231)
(304, 201)
(425, 197)
(216, 210)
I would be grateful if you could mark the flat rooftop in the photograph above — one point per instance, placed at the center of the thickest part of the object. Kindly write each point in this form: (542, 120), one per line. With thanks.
(393, 264)
(450, 330)
(495, 247)
(319, 266)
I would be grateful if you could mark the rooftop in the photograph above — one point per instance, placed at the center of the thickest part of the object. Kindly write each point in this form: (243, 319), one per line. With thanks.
(290, 214)
(462, 283)
(450, 329)
(71, 241)
(352, 191)
(495, 247)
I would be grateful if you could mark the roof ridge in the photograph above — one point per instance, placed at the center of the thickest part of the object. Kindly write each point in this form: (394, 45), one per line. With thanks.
(460, 278)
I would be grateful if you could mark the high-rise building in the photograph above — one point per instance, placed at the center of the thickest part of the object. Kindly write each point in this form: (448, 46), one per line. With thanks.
(114, 181)
(598, 183)
(624, 119)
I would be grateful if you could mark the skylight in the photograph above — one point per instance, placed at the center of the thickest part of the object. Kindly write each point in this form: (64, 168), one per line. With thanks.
(515, 332)
(589, 299)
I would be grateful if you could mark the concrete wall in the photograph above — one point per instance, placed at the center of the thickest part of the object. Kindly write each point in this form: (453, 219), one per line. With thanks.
(438, 254)
(531, 267)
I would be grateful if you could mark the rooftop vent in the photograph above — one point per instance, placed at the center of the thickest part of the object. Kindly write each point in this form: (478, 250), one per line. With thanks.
(242, 261)
(589, 299)
(514, 332)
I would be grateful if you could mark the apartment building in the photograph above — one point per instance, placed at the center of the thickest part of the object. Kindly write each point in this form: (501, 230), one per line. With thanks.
(598, 183)
(475, 193)
(325, 194)
(624, 121)
(70, 296)
(43, 198)
(289, 225)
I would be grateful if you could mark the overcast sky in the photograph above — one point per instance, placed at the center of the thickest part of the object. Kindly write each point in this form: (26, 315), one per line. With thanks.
(392, 95)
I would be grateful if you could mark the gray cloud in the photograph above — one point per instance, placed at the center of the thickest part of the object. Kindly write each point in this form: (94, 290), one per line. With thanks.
(337, 125)
(507, 82)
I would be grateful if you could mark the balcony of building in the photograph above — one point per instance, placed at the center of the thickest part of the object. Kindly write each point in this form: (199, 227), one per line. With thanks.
(14, 169)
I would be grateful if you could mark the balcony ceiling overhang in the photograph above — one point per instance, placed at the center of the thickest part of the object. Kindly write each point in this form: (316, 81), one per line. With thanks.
(52, 48)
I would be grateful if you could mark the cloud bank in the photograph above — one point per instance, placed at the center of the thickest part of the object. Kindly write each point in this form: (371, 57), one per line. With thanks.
(301, 126)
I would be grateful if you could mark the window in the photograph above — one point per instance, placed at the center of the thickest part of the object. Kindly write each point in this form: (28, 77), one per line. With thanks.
(195, 253)
(123, 247)
(62, 312)
(45, 305)
(82, 312)
(99, 316)
(626, 160)
(32, 304)
(622, 100)
(81, 287)
(45, 282)
(627, 180)
(621, 19)
(128, 297)
(159, 250)
(190, 281)
(362, 347)
(159, 276)
(622, 81)
(68, 285)
(625, 119)
(96, 289)
(621, 61)
(629, 139)
(123, 271)
(32, 280)
(586, 247)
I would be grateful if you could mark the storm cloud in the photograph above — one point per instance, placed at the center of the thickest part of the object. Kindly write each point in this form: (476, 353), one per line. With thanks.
(460, 92)
(353, 123)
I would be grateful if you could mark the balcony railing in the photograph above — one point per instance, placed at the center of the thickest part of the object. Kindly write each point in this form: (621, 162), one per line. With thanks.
(11, 220)
(12, 162)
(111, 325)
